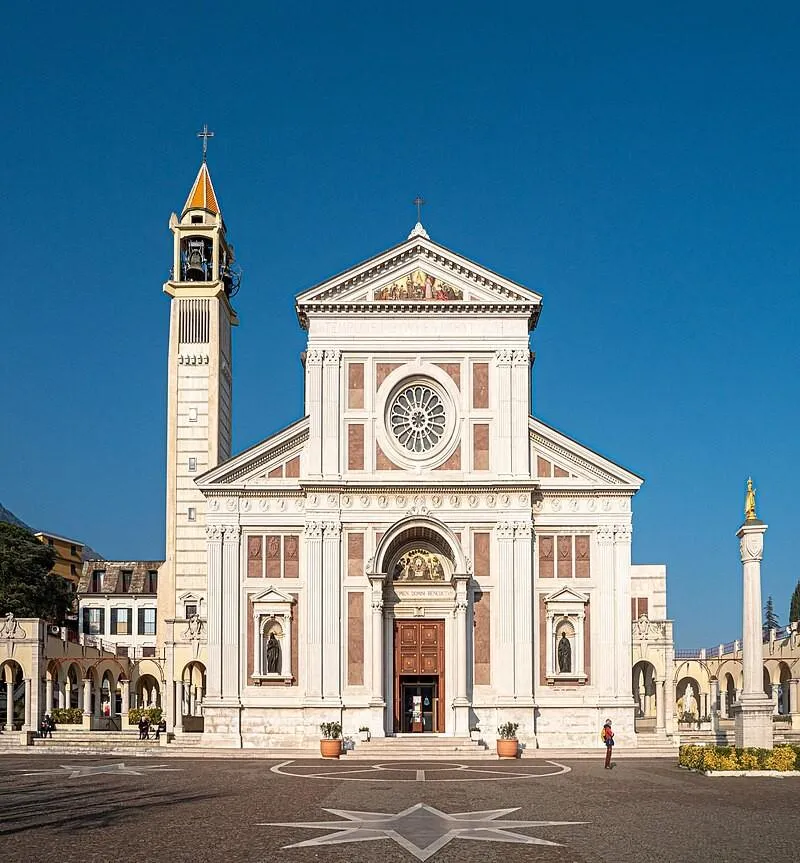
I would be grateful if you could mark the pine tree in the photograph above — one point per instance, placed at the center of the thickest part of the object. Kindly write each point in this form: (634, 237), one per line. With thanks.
(770, 618)
(794, 608)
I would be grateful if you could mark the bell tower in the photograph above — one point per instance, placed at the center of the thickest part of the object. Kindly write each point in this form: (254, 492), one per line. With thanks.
(202, 283)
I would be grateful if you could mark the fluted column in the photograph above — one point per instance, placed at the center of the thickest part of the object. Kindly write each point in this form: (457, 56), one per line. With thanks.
(504, 662)
(376, 696)
(331, 610)
(314, 411)
(214, 608)
(622, 611)
(523, 608)
(754, 709)
(520, 412)
(230, 612)
(331, 419)
(503, 373)
(603, 670)
(460, 702)
(313, 546)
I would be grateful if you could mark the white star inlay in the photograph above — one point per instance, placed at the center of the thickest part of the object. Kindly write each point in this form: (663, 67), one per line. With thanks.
(80, 771)
(421, 829)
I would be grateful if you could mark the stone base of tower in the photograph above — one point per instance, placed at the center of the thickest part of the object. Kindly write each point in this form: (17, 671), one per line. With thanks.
(754, 723)
(580, 727)
(222, 727)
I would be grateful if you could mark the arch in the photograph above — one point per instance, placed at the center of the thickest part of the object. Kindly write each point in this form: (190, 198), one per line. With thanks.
(148, 691)
(688, 701)
(767, 682)
(728, 686)
(643, 688)
(193, 693)
(418, 528)
(784, 676)
(12, 694)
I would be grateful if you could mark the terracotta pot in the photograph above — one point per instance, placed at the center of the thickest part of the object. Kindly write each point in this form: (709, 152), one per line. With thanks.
(330, 748)
(507, 747)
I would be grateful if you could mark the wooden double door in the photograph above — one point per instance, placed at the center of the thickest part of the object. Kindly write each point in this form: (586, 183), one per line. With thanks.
(419, 676)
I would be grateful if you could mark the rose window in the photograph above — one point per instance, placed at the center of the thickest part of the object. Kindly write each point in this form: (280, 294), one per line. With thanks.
(417, 418)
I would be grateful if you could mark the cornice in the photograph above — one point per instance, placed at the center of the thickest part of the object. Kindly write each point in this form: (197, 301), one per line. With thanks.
(571, 457)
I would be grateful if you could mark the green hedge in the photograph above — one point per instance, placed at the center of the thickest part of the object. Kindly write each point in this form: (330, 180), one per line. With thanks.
(154, 714)
(729, 758)
(67, 715)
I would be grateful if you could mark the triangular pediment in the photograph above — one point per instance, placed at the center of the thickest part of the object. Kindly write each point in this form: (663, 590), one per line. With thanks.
(418, 271)
(559, 462)
(567, 595)
(273, 595)
(274, 461)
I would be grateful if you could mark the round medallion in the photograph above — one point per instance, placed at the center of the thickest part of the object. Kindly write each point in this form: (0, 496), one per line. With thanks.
(417, 418)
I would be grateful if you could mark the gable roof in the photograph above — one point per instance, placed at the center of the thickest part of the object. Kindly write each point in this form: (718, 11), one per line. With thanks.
(466, 284)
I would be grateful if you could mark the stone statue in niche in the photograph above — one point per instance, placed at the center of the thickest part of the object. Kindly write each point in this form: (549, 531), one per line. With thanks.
(273, 655)
(564, 655)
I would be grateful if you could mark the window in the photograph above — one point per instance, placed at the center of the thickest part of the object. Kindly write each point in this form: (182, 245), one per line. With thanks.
(73, 550)
(120, 621)
(97, 581)
(192, 464)
(151, 582)
(197, 220)
(127, 578)
(191, 609)
(73, 570)
(192, 515)
(192, 415)
(638, 607)
(93, 621)
(148, 652)
(147, 621)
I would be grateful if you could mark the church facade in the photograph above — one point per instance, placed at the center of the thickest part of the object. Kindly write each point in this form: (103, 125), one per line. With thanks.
(417, 553)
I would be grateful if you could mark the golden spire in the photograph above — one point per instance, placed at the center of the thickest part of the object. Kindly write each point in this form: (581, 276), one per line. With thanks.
(750, 502)
(202, 195)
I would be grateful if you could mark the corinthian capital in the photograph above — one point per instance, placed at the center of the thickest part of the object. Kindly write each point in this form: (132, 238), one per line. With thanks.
(520, 358)
(523, 529)
(232, 532)
(214, 532)
(314, 357)
(622, 532)
(605, 533)
(503, 357)
(313, 530)
(505, 529)
(333, 530)
(332, 357)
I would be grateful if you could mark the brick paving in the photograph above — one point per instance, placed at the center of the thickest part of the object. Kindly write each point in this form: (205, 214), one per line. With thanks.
(180, 810)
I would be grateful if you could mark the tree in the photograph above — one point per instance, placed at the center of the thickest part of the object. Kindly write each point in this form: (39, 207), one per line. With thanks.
(770, 618)
(794, 607)
(28, 588)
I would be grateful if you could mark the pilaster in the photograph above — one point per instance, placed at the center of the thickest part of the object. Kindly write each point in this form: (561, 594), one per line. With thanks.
(460, 605)
(504, 658)
(520, 412)
(214, 607)
(502, 458)
(331, 611)
(523, 607)
(622, 611)
(376, 695)
(314, 411)
(331, 415)
(313, 604)
(603, 649)
(230, 613)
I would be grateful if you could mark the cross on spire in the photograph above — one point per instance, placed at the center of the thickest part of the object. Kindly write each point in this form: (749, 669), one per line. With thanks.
(419, 203)
(205, 135)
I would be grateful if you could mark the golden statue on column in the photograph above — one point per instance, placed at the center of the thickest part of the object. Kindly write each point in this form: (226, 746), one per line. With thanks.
(750, 502)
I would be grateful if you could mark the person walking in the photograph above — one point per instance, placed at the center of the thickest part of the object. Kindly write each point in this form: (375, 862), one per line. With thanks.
(607, 736)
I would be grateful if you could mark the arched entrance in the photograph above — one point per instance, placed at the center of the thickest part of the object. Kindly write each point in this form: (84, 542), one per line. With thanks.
(192, 693)
(423, 580)
(14, 696)
(148, 691)
(689, 705)
(643, 686)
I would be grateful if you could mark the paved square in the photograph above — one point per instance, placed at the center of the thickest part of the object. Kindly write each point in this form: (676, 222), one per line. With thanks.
(174, 810)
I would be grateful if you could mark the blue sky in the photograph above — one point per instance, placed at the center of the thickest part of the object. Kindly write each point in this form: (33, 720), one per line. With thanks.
(636, 166)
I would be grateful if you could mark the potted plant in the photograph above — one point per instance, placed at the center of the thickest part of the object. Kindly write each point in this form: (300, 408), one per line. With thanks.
(363, 734)
(331, 744)
(507, 743)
